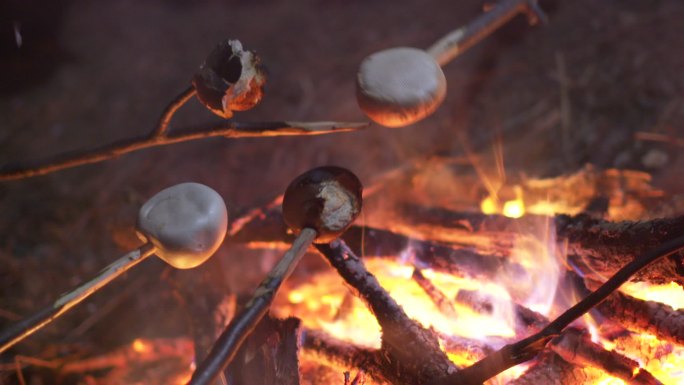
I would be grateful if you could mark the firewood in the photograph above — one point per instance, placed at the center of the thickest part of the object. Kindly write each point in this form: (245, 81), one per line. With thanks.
(597, 247)
(269, 355)
(328, 349)
(438, 298)
(645, 316)
(268, 227)
(526, 349)
(527, 319)
(552, 369)
(575, 346)
(478, 244)
(411, 350)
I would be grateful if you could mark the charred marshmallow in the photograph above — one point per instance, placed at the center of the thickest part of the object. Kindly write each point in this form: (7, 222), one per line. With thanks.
(326, 199)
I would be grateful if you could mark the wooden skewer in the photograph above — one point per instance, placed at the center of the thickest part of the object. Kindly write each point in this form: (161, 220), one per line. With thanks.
(231, 79)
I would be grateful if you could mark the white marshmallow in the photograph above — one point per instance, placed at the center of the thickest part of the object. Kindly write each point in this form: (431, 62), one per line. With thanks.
(186, 223)
(400, 86)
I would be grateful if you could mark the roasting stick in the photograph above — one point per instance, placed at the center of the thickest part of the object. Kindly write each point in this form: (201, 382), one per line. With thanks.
(231, 79)
(319, 206)
(183, 225)
(401, 86)
(526, 349)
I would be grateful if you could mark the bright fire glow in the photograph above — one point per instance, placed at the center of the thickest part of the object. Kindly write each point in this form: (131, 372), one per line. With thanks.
(670, 294)
(608, 380)
(140, 346)
(319, 302)
(514, 208)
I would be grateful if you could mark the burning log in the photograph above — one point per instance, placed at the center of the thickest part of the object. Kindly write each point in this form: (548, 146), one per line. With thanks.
(269, 355)
(575, 346)
(530, 319)
(411, 351)
(552, 369)
(340, 353)
(359, 379)
(268, 228)
(597, 247)
(645, 316)
(438, 298)
(478, 244)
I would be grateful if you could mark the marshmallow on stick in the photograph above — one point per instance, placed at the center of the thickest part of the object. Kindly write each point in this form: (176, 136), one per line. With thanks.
(401, 86)
(183, 225)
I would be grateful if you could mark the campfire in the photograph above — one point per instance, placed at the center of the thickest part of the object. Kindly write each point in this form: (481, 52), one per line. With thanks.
(442, 270)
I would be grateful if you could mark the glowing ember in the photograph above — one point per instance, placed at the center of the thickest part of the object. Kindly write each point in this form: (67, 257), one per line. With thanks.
(140, 346)
(514, 208)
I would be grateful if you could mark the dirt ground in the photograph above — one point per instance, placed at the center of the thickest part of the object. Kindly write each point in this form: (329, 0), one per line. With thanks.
(559, 96)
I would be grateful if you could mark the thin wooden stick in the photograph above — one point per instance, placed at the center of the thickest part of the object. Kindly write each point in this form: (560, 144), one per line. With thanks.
(526, 349)
(240, 327)
(28, 326)
(456, 42)
(227, 129)
(171, 109)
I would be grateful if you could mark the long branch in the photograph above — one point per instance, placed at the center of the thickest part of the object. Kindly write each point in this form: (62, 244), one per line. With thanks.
(227, 129)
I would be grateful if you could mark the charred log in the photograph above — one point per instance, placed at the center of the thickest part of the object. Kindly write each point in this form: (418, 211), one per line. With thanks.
(203, 291)
(269, 355)
(575, 346)
(552, 369)
(347, 355)
(438, 298)
(595, 246)
(478, 244)
(270, 228)
(411, 351)
(645, 316)
(530, 320)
